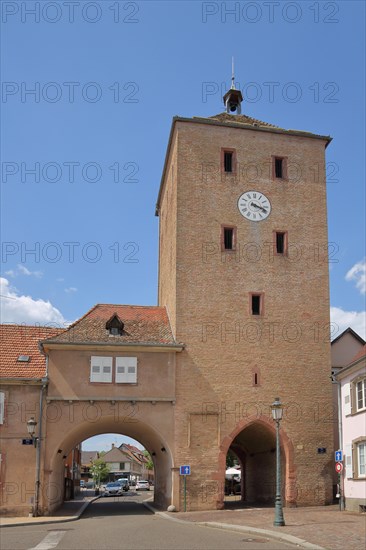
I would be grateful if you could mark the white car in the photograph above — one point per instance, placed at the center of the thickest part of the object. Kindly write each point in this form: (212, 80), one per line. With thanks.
(142, 485)
(114, 489)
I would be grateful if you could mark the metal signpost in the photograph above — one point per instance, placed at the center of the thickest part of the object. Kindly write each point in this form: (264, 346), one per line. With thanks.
(338, 457)
(185, 471)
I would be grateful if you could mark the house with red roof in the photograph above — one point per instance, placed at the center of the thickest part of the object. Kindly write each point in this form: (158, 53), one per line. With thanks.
(24, 383)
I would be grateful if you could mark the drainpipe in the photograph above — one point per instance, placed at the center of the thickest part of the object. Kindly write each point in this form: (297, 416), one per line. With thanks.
(39, 444)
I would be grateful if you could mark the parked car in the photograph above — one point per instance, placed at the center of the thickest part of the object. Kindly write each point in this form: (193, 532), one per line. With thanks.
(124, 482)
(113, 489)
(142, 485)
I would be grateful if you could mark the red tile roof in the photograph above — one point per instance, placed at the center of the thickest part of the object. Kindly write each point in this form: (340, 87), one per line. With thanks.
(142, 324)
(241, 119)
(16, 340)
(361, 353)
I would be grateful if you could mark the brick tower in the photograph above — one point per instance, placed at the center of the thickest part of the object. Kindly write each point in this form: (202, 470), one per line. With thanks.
(243, 272)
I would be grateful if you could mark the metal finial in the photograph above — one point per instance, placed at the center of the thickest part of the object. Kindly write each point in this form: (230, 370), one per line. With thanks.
(232, 74)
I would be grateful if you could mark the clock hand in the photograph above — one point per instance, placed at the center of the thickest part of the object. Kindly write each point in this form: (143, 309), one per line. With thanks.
(257, 206)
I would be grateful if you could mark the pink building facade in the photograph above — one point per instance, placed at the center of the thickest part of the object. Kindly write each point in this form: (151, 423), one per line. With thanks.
(352, 381)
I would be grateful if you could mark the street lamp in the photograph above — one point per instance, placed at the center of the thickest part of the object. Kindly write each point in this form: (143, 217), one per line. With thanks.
(277, 411)
(31, 427)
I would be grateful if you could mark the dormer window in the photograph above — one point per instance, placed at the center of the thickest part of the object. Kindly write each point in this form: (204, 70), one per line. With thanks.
(114, 326)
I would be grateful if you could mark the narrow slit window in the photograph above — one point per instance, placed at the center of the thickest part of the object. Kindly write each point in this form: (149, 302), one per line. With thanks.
(228, 161)
(280, 242)
(278, 167)
(256, 305)
(228, 238)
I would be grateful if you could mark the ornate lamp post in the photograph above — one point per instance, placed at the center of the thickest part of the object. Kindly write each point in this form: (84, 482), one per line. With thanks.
(277, 412)
(31, 427)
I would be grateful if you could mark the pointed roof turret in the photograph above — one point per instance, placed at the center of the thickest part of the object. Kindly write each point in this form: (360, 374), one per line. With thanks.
(233, 98)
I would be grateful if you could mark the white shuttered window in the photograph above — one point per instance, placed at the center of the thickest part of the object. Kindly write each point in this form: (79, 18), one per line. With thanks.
(349, 465)
(100, 369)
(126, 370)
(347, 399)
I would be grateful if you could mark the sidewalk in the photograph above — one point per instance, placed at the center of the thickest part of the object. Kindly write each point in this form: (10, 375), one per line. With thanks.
(69, 511)
(322, 526)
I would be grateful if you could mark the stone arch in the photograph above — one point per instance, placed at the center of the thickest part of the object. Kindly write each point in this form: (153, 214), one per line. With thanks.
(287, 450)
(63, 443)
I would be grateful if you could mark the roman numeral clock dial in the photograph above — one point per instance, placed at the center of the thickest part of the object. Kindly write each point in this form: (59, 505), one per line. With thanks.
(254, 206)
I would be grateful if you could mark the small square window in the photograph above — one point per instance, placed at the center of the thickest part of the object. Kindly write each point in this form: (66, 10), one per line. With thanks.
(256, 303)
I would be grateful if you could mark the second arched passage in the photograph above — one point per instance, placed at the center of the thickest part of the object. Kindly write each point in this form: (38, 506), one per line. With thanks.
(254, 444)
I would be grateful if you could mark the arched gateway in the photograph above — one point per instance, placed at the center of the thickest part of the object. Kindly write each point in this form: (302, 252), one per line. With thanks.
(243, 316)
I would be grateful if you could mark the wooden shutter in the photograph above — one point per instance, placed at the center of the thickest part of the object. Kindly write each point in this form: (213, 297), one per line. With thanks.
(2, 407)
(347, 399)
(101, 369)
(126, 370)
(349, 466)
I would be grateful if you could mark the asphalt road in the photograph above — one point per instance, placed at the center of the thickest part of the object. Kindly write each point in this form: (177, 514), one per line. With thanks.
(123, 523)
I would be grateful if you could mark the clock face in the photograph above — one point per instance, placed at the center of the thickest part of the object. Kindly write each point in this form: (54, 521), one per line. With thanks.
(254, 206)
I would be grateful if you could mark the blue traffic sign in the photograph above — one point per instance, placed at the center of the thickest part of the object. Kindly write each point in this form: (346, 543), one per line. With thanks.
(338, 456)
(185, 470)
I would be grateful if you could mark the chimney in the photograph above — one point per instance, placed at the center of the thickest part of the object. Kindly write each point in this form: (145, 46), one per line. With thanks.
(112, 445)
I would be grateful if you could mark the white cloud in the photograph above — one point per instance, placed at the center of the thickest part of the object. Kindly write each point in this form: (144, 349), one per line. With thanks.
(24, 309)
(358, 273)
(344, 319)
(22, 270)
(60, 279)
(71, 289)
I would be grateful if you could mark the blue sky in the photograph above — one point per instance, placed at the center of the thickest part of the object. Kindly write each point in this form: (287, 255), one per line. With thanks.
(108, 77)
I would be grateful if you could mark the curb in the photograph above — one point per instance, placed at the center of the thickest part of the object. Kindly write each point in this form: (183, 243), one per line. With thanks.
(240, 528)
(53, 519)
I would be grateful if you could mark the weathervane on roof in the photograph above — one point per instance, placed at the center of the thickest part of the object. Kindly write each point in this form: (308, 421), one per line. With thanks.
(232, 74)
(233, 98)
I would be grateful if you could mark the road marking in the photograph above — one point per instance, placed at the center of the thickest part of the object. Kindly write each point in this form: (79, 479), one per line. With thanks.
(50, 541)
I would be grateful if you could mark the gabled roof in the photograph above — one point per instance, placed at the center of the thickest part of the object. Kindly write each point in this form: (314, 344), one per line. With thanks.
(359, 355)
(115, 454)
(16, 340)
(350, 331)
(142, 325)
(88, 456)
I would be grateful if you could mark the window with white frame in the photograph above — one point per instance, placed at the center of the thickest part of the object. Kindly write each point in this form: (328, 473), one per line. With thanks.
(361, 456)
(100, 369)
(361, 395)
(2, 407)
(126, 370)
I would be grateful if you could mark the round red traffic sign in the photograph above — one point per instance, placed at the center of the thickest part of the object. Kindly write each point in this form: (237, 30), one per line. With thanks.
(338, 467)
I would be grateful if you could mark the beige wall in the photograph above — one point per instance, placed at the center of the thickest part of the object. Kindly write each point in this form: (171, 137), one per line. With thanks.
(18, 461)
(69, 373)
(288, 346)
